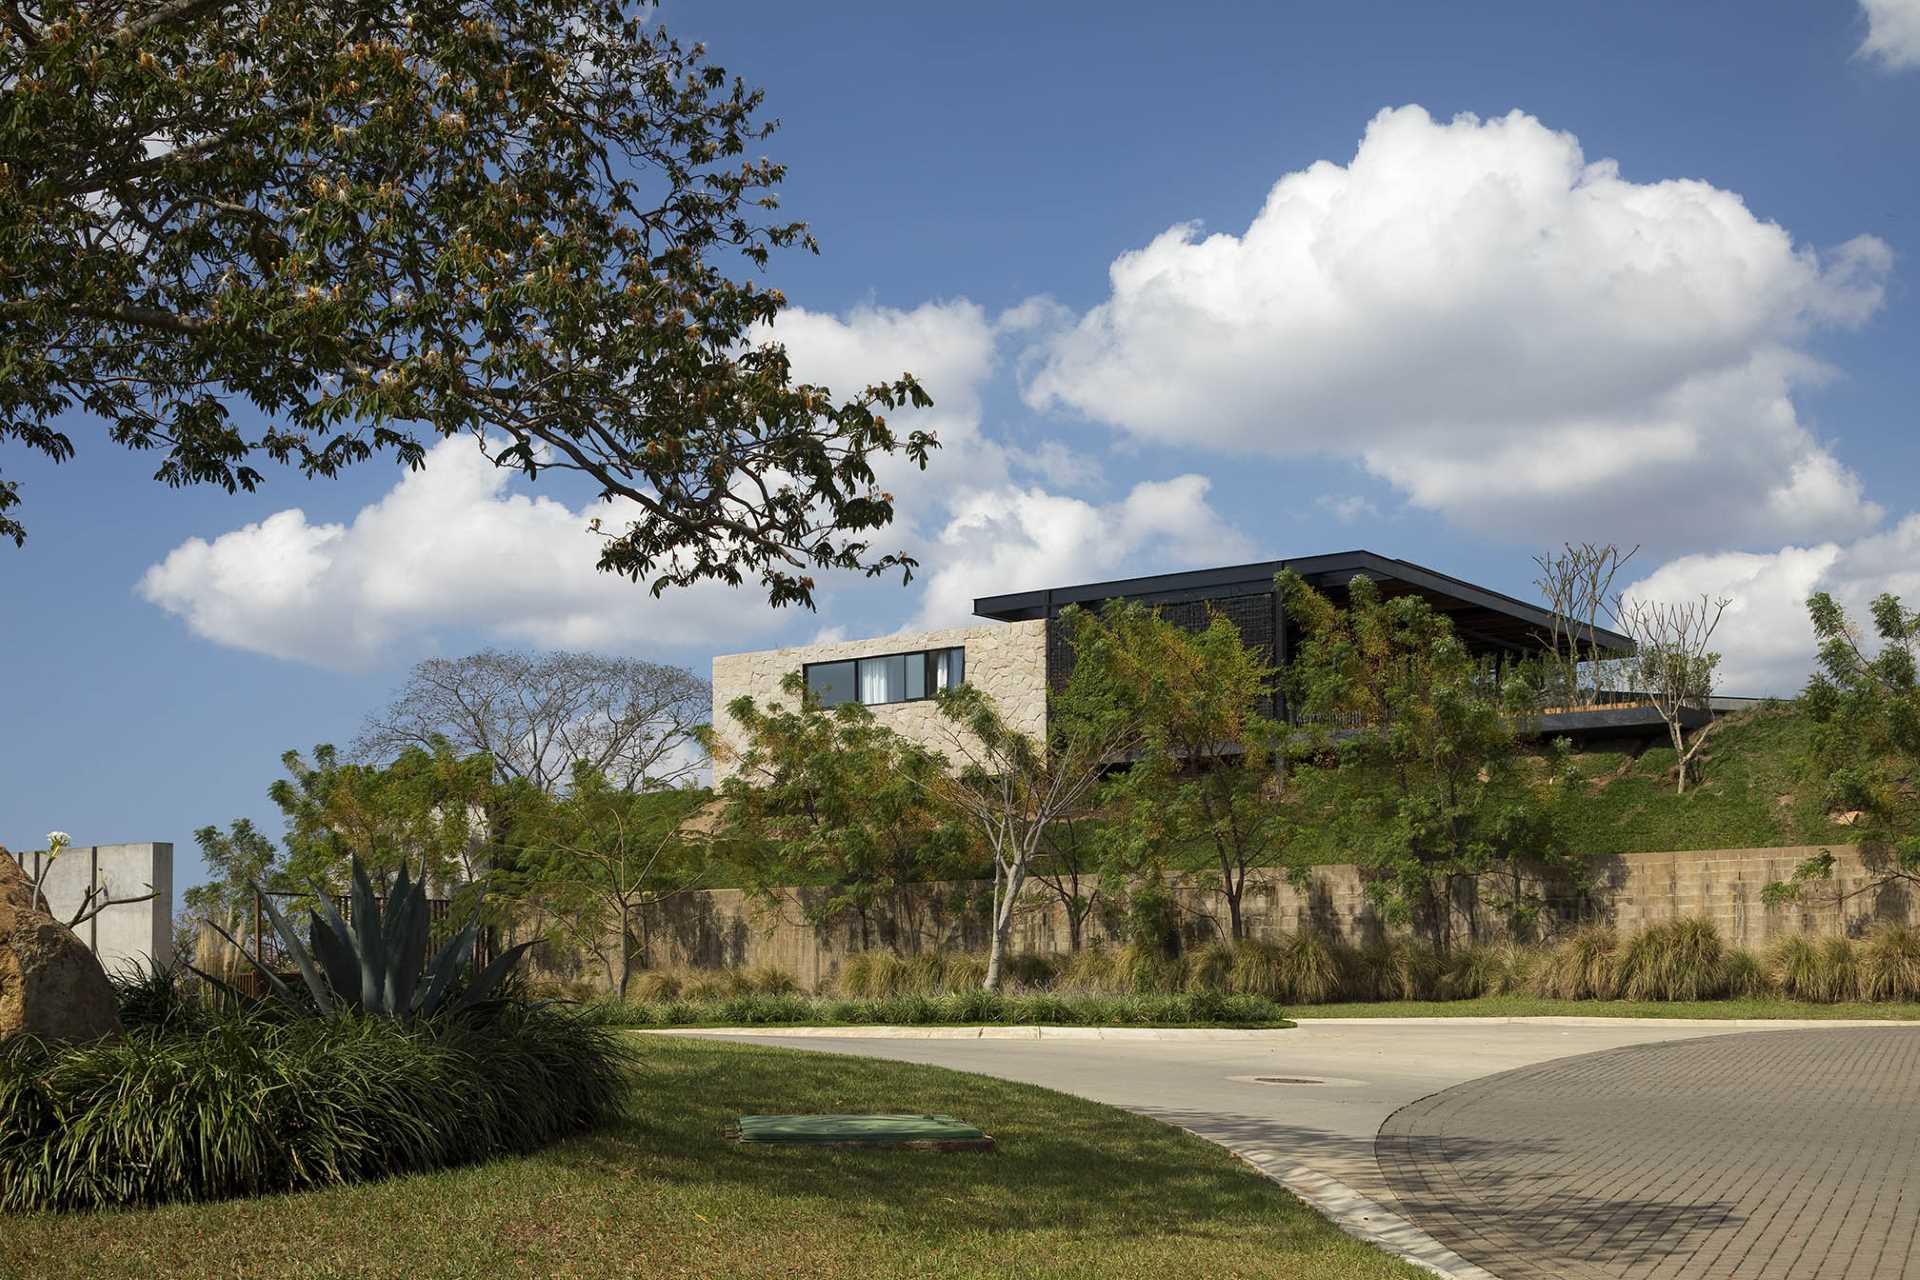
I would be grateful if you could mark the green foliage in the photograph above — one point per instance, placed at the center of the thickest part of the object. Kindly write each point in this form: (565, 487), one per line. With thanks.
(1429, 793)
(431, 808)
(379, 964)
(254, 1106)
(1888, 963)
(1204, 773)
(666, 985)
(956, 1008)
(236, 859)
(838, 797)
(162, 997)
(503, 221)
(589, 861)
(1865, 710)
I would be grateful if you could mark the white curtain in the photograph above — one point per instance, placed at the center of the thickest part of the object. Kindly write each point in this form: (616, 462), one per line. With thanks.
(873, 682)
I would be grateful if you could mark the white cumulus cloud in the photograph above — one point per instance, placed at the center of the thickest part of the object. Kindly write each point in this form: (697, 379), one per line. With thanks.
(1510, 334)
(1016, 539)
(449, 547)
(1893, 33)
(1765, 638)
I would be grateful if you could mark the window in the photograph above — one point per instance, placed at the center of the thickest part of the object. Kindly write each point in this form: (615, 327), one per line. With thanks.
(831, 682)
(893, 677)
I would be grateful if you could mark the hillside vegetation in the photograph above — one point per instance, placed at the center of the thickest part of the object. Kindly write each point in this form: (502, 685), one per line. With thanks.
(1759, 789)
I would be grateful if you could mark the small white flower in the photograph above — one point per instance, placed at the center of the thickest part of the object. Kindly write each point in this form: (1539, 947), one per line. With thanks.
(58, 840)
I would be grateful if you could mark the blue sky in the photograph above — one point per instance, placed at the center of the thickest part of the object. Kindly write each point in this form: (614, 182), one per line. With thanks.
(1457, 340)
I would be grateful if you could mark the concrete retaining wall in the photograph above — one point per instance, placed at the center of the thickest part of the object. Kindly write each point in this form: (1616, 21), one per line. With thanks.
(728, 927)
(128, 931)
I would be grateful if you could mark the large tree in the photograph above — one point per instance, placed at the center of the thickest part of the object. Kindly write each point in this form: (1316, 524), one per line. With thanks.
(539, 716)
(238, 231)
(1430, 794)
(832, 798)
(1013, 789)
(1206, 777)
(592, 861)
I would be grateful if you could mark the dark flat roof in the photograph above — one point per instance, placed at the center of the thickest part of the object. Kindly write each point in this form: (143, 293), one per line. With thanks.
(1481, 613)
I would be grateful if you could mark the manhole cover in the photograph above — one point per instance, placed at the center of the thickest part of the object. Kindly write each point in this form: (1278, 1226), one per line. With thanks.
(1331, 1082)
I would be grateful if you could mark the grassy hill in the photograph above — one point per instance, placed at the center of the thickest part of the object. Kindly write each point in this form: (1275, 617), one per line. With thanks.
(1760, 790)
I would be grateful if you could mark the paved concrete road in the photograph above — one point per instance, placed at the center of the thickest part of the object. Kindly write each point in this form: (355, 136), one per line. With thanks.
(1766, 1157)
(1320, 1138)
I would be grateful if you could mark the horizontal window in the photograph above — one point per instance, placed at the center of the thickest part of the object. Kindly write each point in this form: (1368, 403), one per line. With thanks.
(891, 677)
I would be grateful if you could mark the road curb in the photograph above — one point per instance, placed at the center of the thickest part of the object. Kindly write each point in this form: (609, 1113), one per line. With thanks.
(978, 1033)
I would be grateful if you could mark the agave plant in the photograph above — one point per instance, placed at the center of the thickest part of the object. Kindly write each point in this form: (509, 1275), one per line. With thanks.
(378, 963)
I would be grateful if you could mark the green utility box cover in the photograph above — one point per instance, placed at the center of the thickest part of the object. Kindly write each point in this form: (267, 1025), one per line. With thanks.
(937, 1132)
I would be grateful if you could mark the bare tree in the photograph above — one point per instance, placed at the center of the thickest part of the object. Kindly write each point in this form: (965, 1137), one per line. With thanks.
(540, 714)
(1013, 789)
(1672, 664)
(1577, 582)
(97, 897)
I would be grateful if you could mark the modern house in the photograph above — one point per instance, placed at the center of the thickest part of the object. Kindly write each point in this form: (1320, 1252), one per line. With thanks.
(1022, 651)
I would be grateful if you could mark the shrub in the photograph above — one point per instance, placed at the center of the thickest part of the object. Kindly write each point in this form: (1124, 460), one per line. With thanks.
(158, 996)
(1746, 976)
(254, 1105)
(1088, 969)
(1674, 960)
(958, 1008)
(1889, 963)
(1211, 967)
(1818, 971)
(1484, 969)
(1396, 969)
(1586, 966)
(1300, 968)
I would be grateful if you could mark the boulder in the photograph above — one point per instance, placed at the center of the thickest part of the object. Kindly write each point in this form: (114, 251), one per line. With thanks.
(51, 986)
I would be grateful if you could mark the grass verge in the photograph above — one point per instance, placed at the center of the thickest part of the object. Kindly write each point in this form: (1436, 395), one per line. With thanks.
(1075, 1190)
(1540, 1007)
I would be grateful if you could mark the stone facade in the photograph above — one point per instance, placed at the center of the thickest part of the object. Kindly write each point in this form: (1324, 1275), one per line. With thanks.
(1005, 660)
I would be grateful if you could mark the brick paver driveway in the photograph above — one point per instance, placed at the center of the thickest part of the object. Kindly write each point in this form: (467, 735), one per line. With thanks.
(1764, 1156)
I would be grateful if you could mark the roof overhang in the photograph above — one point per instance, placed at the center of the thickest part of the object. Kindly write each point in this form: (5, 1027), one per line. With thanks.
(1488, 618)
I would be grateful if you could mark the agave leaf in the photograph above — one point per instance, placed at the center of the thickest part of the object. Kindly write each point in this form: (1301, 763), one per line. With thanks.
(366, 931)
(322, 995)
(341, 956)
(406, 941)
(335, 954)
(490, 976)
(445, 967)
(280, 988)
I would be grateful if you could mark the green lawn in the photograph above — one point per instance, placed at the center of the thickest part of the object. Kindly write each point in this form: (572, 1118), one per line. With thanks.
(1075, 1189)
(1536, 1007)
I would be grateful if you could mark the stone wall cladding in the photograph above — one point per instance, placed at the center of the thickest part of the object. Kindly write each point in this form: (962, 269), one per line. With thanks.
(726, 927)
(1005, 660)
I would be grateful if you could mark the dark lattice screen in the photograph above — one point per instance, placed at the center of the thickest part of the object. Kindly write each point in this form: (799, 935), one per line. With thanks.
(1252, 614)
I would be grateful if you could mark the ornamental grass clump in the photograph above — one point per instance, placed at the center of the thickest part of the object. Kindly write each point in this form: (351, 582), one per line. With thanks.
(1888, 965)
(1675, 960)
(256, 1104)
(1394, 969)
(1299, 968)
(1820, 971)
(1586, 966)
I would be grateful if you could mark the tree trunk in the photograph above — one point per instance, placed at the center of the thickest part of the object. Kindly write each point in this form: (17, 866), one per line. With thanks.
(1679, 754)
(1003, 925)
(626, 955)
